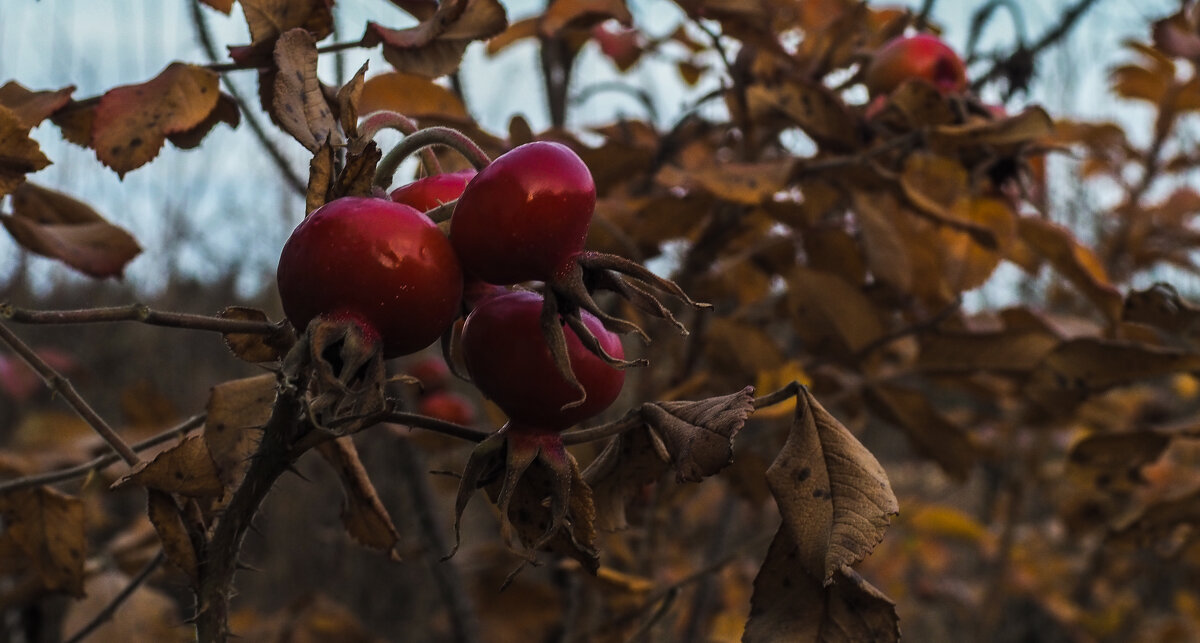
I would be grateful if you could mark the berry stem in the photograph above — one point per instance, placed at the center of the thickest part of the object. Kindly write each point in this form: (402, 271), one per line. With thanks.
(387, 167)
(421, 139)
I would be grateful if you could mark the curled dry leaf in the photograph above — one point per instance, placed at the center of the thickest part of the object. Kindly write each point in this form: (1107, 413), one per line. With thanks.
(435, 46)
(131, 122)
(699, 435)
(43, 545)
(186, 469)
(834, 495)
(358, 174)
(298, 103)
(320, 179)
(176, 542)
(33, 107)
(256, 347)
(55, 225)
(19, 154)
(363, 514)
(349, 97)
(812, 107)
(631, 461)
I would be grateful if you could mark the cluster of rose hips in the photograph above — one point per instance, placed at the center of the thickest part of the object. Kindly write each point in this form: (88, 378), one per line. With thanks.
(385, 266)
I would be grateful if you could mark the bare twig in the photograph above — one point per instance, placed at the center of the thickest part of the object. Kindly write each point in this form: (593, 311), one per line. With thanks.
(912, 329)
(61, 385)
(445, 574)
(433, 424)
(107, 613)
(63, 475)
(293, 179)
(1069, 19)
(326, 49)
(136, 313)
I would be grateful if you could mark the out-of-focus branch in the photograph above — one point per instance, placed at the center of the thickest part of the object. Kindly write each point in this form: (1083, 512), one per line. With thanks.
(107, 613)
(63, 387)
(63, 475)
(299, 185)
(1025, 56)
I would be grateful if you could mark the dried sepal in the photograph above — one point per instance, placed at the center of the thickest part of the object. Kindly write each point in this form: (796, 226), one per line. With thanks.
(348, 376)
(556, 341)
(484, 464)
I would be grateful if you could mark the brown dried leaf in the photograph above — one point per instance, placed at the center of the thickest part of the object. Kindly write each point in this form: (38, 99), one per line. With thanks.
(1072, 260)
(1175, 37)
(54, 225)
(299, 105)
(320, 181)
(435, 47)
(887, 255)
(131, 122)
(921, 103)
(186, 469)
(270, 19)
(1031, 124)
(1012, 350)
(627, 464)
(75, 121)
(363, 514)
(226, 111)
(832, 493)
(516, 32)
(1078, 368)
(43, 539)
(255, 347)
(827, 308)
(699, 435)
(791, 603)
(411, 95)
(1161, 307)
(811, 106)
(349, 98)
(19, 154)
(358, 175)
(937, 186)
(177, 544)
(745, 183)
(33, 107)
(237, 411)
(576, 14)
(933, 435)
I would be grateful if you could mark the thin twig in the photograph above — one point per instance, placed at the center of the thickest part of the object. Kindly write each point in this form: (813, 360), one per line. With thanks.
(61, 385)
(1069, 18)
(136, 313)
(913, 329)
(285, 168)
(326, 49)
(923, 15)
(63, 475)
(107, 613)
(445, 574)
(665, 606)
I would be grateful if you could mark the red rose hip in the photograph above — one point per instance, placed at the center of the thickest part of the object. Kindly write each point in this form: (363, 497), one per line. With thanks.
(383, 264)
(525, 216)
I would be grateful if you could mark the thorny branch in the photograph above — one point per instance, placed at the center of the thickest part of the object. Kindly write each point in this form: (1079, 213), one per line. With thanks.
(63, 475)
(1026, 55)
(63, 387)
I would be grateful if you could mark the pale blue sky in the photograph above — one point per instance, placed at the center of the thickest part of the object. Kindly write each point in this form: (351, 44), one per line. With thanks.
(227, 200)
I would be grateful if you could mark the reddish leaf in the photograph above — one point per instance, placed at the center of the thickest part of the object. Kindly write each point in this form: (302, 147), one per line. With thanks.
(131, 122)
(226, 111)
(57, 226)
(33, 107)
(224, 6)
(435, 47)
(567, 14)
